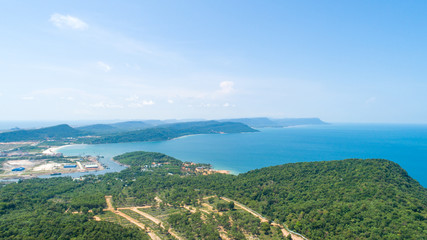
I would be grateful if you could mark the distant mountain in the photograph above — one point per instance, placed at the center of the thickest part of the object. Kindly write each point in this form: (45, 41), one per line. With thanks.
(268, 122)
(55, 132)
(287, 122)
(99, 129)
(254, 122)
(131, 125)
(105, 129)
(170, 131)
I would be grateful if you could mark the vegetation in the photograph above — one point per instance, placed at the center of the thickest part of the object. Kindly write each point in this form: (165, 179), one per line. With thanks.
(121, 132)
(55, 132)
(37, 209)
(170, 131)
(141, 158)
(99, 129)
(349, 199)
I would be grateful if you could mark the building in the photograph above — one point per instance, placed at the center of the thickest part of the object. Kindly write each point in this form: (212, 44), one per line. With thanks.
(91, 166)
(70, 166)
(19, 169)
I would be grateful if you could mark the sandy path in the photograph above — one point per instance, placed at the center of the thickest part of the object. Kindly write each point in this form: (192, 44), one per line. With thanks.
(109, 204)
(110, 207)
(263, 219)
(80, 165)
(285, 232)
(156, 221)
(130, 208)
(138, 224)
(146, 215)
(152, 235)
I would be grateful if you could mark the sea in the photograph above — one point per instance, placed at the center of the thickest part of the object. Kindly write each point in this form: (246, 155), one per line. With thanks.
(239, 153)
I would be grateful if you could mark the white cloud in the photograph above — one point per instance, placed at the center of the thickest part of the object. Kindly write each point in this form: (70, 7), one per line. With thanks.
(67, 21)
(226, 87)
(169, 101)
(132, 98)
(147, 102)
(103, 66)
(28, 98)
(141, 104)
(226, 105)
(106, 105)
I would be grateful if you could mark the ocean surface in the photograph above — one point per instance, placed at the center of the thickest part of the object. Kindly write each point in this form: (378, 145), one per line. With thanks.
(239, 153)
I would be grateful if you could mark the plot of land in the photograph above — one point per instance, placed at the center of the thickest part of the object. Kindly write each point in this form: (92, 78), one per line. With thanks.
(239, 220)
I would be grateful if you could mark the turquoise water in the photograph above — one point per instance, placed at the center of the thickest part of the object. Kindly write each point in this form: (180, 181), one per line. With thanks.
(403, 144)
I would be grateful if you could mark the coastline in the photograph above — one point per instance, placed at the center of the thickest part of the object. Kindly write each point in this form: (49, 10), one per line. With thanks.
(53, 150)
(182, 137)
(222, 171)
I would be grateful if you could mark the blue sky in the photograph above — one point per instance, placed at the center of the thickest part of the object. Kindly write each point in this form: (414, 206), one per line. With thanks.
(342, 61)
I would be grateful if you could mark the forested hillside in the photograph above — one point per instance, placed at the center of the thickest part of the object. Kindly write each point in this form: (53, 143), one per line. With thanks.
(142, 158)
(348, 199)
(170, 131)
(55, 132)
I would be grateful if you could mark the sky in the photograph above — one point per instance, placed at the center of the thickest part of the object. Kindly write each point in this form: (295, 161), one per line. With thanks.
(341, 61)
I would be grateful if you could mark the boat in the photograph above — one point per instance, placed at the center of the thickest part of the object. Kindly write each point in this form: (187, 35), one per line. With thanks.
(55, 174)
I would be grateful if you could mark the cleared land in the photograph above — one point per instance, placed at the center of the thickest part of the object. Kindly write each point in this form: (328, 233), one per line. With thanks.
(153, 219)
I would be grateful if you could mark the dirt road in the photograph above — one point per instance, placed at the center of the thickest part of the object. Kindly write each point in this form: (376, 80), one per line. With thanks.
(110, 207)
(148, 216)
(150, 233)
(156, 221)
(108, 199)
(285, 232)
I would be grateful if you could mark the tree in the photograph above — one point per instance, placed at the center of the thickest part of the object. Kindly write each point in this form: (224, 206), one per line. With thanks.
(231, 205)
(265, 227)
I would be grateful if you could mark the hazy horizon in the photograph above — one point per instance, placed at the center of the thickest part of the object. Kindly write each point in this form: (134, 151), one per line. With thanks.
(340, 61)
(32, 124)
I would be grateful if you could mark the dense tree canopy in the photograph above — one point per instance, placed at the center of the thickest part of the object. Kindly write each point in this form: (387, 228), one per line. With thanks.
(349, 199)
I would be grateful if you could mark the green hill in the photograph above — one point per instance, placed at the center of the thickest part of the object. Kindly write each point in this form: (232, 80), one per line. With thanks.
(141, 158)
(131, 125)
(170, 131)
(349, 199)
(55, 132)
(99, 129)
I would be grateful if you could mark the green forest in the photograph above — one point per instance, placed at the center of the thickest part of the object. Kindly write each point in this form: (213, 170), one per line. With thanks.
(171, 131)
(348, 199)
(96, 134)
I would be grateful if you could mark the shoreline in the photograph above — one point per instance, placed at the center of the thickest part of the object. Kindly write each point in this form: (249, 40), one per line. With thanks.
(222, 171)
(53, 150)
(183, 137)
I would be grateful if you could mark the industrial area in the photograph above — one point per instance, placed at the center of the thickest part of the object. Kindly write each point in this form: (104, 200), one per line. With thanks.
(21, 164)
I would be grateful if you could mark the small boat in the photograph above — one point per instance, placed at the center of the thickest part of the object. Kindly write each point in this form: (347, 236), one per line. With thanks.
(55, 174)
